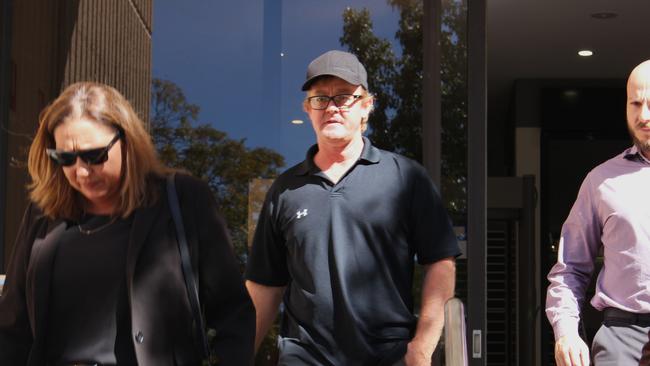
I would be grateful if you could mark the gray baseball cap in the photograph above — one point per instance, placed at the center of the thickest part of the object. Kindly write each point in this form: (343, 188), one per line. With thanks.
(341, 64)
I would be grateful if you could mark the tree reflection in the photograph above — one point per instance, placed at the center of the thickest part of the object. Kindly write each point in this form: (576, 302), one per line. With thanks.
(207, 153)
(395, 77)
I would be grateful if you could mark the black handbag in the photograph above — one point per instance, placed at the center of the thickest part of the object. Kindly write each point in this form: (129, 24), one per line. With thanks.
(188, 274)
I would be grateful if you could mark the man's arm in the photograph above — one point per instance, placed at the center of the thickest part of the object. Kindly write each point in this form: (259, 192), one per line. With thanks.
(266, 300)
(570, 276)
(437, 288)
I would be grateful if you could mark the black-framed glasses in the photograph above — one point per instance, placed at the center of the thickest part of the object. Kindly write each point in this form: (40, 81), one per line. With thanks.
(91, 156)
(320, 102)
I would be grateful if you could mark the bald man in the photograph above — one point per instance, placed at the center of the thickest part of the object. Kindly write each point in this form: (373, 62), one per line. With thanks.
(612, 213)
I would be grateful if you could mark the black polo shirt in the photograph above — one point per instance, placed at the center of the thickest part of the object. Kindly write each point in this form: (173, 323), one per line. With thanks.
(346, 252)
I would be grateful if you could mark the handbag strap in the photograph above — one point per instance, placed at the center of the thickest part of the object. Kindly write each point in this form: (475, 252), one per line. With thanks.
(190, 283)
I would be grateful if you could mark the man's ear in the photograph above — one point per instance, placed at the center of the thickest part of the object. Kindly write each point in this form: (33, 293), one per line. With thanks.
(369, 103)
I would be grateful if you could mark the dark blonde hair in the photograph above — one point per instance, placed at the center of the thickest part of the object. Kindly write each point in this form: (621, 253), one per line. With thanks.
(50, 190)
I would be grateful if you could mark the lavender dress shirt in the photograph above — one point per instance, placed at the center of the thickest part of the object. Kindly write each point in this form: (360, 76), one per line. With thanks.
(613, 211)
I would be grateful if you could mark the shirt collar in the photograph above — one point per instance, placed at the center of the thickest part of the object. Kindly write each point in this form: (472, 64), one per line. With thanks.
(633, 154)
(369, 154)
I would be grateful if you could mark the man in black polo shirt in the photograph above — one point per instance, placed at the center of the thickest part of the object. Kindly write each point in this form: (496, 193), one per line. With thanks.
(338, 236)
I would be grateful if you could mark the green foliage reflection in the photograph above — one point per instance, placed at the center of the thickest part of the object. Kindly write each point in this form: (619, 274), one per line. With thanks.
(226, 164)
(395, 78)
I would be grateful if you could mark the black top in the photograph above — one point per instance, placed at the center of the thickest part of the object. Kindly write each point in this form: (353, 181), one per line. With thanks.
(346, 252)
(88, 292)
(161, 317)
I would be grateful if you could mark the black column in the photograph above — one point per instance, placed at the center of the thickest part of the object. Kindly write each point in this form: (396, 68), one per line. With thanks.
(477, 176)
(6, 16)
(431, 105)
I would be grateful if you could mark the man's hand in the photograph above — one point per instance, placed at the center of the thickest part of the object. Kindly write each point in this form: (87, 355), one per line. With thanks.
(437, 287)
(571, 351)
(417, 355)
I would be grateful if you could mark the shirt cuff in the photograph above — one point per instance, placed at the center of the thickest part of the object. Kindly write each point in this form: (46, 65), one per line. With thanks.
(565, 327)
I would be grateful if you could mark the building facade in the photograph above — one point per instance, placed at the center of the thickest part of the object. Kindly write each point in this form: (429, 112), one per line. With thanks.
(48, 45)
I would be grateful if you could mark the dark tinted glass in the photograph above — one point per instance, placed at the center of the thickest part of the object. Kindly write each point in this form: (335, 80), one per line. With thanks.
(91, 156)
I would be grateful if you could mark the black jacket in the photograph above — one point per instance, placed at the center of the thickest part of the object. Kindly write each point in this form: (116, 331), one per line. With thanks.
(161, 318)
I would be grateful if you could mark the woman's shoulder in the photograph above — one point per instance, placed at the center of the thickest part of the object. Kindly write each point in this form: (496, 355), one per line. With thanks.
(188, 181)
(189, 186)
(34, 216)
(182, 180)
(34, 222)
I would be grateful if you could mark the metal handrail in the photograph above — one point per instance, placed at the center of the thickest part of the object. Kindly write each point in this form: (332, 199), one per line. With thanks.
(455, 338)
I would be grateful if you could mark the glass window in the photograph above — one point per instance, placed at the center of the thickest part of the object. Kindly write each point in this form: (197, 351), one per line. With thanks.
(240, 69)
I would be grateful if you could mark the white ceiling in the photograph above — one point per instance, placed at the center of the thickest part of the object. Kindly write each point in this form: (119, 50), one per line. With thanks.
(541, 38)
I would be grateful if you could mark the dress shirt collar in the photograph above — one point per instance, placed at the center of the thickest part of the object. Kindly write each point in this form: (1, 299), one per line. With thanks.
(633, 154)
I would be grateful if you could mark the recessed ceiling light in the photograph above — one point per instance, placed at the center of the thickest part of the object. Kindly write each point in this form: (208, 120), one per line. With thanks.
(297, 121)
(570, 94)
(604, 15)
(585, 53)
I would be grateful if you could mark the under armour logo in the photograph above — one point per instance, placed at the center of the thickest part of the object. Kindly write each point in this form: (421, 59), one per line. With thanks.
(301, 214)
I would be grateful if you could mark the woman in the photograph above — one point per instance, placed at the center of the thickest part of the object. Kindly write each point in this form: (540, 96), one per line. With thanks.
(95, 277)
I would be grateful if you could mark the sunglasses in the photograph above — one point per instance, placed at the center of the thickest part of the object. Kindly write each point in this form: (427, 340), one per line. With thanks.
(91, 156)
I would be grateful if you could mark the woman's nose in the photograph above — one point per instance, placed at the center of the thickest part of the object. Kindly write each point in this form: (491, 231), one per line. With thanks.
(81, 168)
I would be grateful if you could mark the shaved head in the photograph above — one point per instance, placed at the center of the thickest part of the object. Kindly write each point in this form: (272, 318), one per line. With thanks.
(638, 107)
(640, 76)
